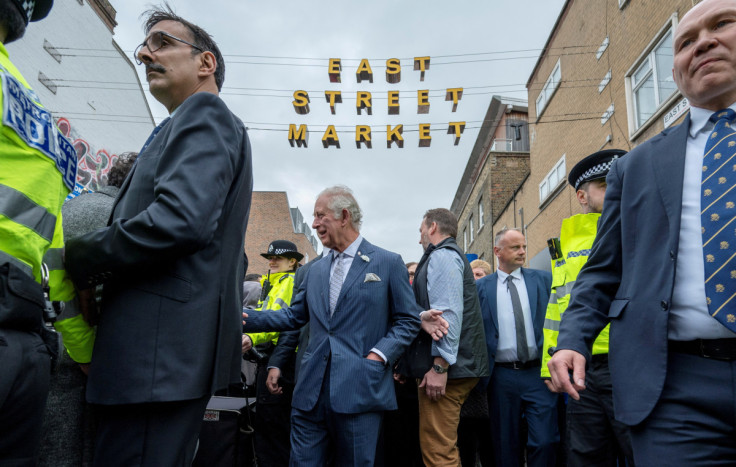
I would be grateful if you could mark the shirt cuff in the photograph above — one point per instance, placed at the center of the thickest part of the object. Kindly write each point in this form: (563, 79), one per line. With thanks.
(380, 354)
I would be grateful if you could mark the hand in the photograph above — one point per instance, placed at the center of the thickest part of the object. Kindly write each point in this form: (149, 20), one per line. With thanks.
(434, 384)
(374, 356)
(399, 378)
(272, 381)
(562, 362)
(434, 324)
(88, 306)
(247, 343)
(245, 315)
(85, 368)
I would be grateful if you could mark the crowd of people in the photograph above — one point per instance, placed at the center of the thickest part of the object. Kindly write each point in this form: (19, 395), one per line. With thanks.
(360, 358)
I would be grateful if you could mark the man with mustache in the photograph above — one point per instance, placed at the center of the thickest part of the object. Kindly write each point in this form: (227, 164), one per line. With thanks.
(662, 268)
(171, 260)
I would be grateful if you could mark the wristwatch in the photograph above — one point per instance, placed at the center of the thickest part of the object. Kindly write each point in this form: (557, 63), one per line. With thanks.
(439, 369)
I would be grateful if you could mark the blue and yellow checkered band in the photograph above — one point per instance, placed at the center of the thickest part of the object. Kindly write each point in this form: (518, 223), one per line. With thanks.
(718, 219)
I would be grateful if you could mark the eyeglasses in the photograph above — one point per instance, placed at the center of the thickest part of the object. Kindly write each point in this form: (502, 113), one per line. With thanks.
(156, 41)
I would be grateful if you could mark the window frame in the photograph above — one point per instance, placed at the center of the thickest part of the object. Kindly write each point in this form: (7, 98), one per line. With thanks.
(552, 181)
(546, 94)
(481, 214)
(648, 55)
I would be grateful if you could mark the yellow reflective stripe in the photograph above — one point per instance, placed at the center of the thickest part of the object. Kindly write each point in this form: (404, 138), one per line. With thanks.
(6, 258)
(281, 303)
(565, 289)
(552, 324)
(20, 209)
(53, 260)
(553, 298)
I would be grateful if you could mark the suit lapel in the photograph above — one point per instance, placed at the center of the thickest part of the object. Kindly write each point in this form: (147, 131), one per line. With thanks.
(322, 282)
(668, 165)
(356, 269)
(492, 285)
(532, 293)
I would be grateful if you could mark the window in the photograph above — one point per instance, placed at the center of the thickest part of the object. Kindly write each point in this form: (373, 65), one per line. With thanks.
(552, 180)
(472, 230)
(481, 219)
(602, 48)
(465, 240)
(607, 114)
(604, 82)
(651, 81)
(553, 82)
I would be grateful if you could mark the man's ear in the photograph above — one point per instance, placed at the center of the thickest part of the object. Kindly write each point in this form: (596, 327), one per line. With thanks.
(208, 65)
(345, 220)
(432, 228)
(582, 197)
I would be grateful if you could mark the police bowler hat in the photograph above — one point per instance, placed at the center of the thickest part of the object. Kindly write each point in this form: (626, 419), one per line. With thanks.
(34, 10)
(593, 167)
(283, 248)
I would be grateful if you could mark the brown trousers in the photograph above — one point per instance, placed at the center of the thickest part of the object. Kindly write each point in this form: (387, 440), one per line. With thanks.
(438, 422)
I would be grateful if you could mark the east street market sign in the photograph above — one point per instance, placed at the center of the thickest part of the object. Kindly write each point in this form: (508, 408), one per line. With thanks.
(299, 136)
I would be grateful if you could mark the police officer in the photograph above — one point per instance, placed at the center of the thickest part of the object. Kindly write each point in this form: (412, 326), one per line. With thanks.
(37, 171)
(593, 437)
(274, 385)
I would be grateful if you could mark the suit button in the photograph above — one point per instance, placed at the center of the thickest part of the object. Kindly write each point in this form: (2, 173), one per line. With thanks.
(672, 254)
(496, 335)
(324, 357)
(665, 305)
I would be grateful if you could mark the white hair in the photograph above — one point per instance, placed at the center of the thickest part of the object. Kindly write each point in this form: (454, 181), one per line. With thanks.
(341, 197)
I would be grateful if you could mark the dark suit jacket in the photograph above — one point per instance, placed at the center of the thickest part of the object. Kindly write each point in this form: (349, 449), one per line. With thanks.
(380, 314)
(538, 286)
(172, 262)
(630, 274)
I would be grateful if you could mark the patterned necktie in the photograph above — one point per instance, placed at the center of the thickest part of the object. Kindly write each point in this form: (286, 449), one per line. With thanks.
(717, 219)
(154, 133)
(336, 282)
(522, 347)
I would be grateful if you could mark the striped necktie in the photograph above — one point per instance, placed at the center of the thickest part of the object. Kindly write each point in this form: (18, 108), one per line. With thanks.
(718, 196)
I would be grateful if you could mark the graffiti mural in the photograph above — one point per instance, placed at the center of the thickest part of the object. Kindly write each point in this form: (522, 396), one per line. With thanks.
(93, 165)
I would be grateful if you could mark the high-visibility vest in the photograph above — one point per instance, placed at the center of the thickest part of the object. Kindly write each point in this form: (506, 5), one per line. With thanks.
(37, 171)
(279, 297)
(576, 239)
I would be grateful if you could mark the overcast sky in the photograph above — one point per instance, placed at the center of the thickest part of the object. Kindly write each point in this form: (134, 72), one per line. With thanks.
(272, 49)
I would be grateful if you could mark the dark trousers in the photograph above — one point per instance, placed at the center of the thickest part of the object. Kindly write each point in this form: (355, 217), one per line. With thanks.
(594, 436)
(694, 421)
(157, 434)
(317, 433)
(272, 426)
(25, 368)
(512, 393)
(401, 429)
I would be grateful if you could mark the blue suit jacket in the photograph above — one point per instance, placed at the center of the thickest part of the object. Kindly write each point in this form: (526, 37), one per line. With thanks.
(381, 314)
(538, 286)
(629, 277)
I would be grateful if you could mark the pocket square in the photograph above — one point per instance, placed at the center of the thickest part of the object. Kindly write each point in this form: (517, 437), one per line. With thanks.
(370, 277)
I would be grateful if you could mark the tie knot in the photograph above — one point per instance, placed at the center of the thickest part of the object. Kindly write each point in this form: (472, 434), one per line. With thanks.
(725, 114)
(509, 279)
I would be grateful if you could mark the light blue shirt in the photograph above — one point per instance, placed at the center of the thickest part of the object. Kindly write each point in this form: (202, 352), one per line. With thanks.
(445, 291)
(689, 318)
(506, 350)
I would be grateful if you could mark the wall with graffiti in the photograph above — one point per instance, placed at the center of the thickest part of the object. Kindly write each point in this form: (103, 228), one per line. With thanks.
(94, 164)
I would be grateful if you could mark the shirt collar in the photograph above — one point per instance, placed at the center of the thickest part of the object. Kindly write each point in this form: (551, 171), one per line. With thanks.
(700, 120)
(351, 250)
(516, 274)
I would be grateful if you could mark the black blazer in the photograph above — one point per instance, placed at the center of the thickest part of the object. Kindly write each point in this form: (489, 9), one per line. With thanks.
(172, 262)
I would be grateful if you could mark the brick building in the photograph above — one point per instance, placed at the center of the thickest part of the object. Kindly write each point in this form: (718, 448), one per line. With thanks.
(498, 164)
(603, 81)
(271, 218)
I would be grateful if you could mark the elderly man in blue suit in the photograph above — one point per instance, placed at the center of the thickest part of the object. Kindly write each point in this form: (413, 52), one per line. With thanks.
(513, 301)
(362, 316)
(661, 269)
